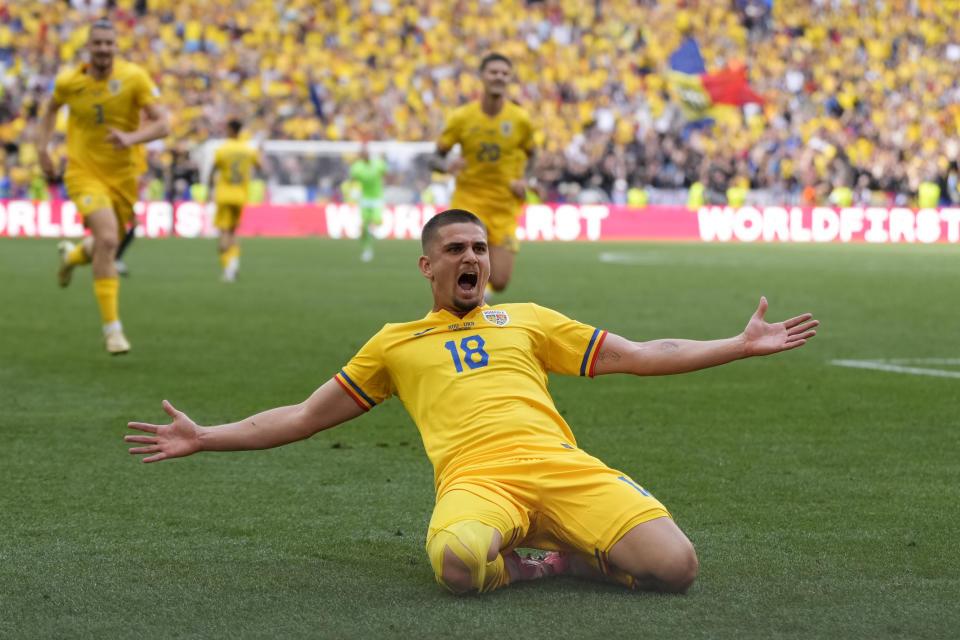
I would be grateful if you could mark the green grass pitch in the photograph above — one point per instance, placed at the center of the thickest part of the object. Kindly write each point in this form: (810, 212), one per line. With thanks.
(822, 499)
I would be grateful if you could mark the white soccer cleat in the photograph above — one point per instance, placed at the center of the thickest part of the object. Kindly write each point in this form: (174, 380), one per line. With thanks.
(231, 270)
(534, 567)
(121, 268)
(65, 270)
(116, 342)
(367, 255)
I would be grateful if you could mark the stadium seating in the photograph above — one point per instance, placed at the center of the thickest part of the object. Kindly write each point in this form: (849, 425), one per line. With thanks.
(863, 96)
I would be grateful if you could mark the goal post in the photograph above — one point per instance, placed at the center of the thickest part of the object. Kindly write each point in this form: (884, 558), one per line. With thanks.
(306, 170)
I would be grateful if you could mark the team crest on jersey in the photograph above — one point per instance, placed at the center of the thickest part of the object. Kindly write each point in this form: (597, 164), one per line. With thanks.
(496, 316)
(506, 128)
(114, 86)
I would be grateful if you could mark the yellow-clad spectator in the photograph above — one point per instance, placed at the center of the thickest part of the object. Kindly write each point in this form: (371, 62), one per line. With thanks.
(737, 192)
(869, 87)
(841, 196)
(637, 197)
(928, 195)
(697, 196)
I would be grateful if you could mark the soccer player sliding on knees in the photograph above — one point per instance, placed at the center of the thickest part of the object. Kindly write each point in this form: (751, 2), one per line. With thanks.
(508, 471)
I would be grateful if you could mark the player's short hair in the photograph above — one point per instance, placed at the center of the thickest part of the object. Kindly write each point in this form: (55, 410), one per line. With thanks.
(494, 57)
(234, 125)
(103, 23)
(442, 219)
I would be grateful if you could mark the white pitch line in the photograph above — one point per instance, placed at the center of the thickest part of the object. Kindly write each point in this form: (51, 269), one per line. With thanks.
(882, 366)
(643, 259)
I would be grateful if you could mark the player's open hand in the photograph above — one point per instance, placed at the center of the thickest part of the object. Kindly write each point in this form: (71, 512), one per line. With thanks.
(762, 338)
(456, 165)
(120, 139)
(519, 188)
(47, 165)
(175, 440)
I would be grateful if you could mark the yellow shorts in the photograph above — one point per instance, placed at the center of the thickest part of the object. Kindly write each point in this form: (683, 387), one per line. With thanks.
(500, 219)
(91, 194)
(227, 216)
(567, 501)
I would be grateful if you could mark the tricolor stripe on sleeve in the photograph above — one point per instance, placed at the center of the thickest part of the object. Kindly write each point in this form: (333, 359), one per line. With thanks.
(593, 349)
(351, 387)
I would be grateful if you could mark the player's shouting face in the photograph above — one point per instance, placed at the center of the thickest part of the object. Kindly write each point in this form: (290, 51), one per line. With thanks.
(457, 265)
(496, 76)
(102, 46)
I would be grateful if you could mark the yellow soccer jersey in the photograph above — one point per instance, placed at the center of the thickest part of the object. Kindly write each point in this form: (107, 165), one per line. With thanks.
(476, 386)
(95, 105)
(234, 161)
(495, 149)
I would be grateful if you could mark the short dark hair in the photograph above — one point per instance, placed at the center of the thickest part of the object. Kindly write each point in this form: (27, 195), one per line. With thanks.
(103, 23)
(442, 219)
(494, 57)
(234, 125)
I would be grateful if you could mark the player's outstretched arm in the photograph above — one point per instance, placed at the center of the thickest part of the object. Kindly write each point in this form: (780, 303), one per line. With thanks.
(668, 356)
(327, 407)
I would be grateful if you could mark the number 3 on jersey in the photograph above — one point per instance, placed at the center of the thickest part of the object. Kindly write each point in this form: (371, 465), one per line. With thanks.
(473, 353)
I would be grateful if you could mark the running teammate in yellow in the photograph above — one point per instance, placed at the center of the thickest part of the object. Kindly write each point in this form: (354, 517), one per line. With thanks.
(507, 468)
(496, 152)
(105, 97)
(233, 163)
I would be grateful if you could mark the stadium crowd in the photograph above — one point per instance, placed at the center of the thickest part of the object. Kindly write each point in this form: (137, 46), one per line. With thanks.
(859, 95)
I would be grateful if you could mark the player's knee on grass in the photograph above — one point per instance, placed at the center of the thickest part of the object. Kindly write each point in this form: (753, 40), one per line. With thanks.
(673, 571)
(464, 558)
(678, 569)
(657, 555)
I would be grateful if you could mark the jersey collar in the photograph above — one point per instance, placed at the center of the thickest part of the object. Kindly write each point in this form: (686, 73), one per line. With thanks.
(443, 314)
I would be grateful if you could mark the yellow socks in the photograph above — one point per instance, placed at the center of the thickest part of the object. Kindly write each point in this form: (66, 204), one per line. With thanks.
(228, 255)
(77, 256)
(105, 289)
(230, 259)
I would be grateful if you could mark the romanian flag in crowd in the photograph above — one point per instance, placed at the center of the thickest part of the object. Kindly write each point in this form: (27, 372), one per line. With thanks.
(697, 90)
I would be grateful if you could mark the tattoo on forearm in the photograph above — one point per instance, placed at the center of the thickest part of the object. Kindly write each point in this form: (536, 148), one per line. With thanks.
(669, 346)
(607, 355)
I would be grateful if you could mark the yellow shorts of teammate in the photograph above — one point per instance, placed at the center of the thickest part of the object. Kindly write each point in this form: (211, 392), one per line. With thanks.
(90, 194)
(567, 501)
(227, 216)
(499, 218)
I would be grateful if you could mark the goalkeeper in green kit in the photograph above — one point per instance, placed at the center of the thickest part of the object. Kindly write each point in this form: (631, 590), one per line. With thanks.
(369, 173)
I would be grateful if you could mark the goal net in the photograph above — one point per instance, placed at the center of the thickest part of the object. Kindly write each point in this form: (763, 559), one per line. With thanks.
(300, 171)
